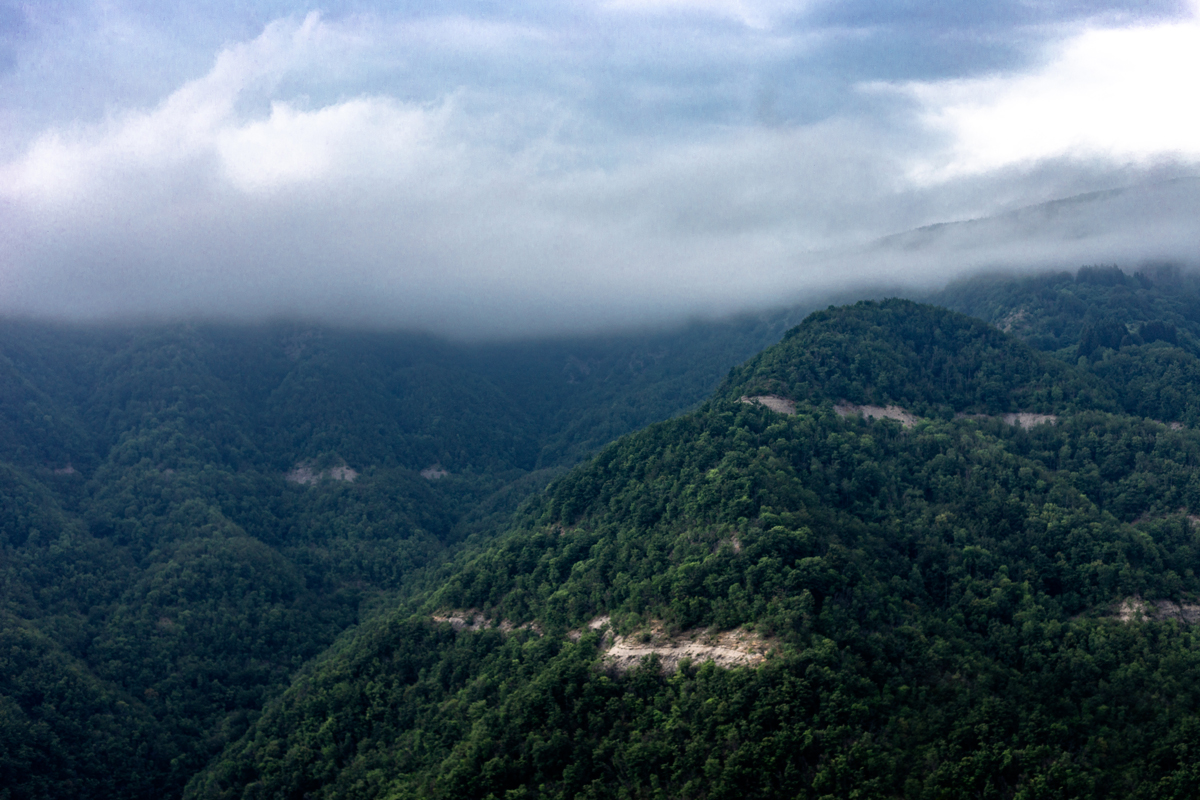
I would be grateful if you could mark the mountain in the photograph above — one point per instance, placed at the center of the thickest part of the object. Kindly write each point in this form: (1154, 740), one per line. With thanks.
(901, 553)
(925, 358)
(1139, 333)
(906, 549)
(189, 513)
(1148, 223)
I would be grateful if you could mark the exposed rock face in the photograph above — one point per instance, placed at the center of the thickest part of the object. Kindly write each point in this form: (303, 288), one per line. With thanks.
(433, 473)
(472, 619)
(736, 648)
(1135, 609)
(905, 418)
(774, 402)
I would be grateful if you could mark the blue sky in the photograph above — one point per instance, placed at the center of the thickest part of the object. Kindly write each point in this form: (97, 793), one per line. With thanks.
(515, 168)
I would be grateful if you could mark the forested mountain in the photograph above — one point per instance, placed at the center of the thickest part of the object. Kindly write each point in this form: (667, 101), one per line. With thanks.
(902, 552)
(1139, 332)
(178, 534)
(932, 606)
(931, 361)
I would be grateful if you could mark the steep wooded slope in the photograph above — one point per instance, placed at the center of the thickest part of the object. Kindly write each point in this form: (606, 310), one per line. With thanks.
(939, 602)
(160, 574)
(1139, 333)
(161, 579)
(927, 359)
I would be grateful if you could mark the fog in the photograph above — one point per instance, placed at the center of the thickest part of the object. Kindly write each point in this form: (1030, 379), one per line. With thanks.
(535, 170)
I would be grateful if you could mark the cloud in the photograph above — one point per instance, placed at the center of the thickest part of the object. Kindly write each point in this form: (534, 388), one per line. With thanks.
(752, 13)
(1123, 94)
(1147, 224)
(324, 169)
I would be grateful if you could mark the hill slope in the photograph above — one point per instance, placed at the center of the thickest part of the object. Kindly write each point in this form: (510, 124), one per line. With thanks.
(925, 358)
(162, 578)
(937, 603)
(188, 514)
(1138, 333)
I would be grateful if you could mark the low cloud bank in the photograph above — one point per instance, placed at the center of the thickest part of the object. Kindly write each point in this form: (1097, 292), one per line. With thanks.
(232, 199)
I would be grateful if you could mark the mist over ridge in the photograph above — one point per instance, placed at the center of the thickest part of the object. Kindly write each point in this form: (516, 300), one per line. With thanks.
(1134, 226)
(484, 172)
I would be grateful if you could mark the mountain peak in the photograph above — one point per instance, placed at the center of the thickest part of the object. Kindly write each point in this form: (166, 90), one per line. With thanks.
(926, 359)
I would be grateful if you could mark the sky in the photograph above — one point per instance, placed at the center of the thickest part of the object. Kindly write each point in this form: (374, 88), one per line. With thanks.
(487, 169)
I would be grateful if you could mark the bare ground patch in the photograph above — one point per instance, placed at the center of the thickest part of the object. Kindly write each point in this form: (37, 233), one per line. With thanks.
(472, 619)
(304, 474)
(735, 648)
(905, 418)
(780, 405)
(1022, 419)
(1012, 319)
(598, 624)
(1026, 420)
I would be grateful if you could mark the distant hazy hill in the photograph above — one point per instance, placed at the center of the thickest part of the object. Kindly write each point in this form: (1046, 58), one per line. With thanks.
(1145, 222)
(963, 602)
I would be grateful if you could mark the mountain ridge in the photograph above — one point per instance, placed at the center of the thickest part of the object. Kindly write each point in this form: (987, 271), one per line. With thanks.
(198, 602)
(884, 560)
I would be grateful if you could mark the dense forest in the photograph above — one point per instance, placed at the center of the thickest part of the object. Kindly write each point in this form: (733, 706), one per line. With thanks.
(178, 537)
(946, 549)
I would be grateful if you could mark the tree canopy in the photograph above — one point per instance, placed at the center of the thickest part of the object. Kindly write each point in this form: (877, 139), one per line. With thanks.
(197, 600)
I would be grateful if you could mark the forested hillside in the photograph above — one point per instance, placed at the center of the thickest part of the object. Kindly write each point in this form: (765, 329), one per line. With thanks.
(958, 604)
(191, 513)
(931, 361)
(1138, 332)
(901, 552)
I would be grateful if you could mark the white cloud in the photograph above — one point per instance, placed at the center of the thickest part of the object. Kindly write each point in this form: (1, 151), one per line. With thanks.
(69, 164)
(752, 13)
(240, 196)
(361, 137)
(1120, 93)
(462, 34)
